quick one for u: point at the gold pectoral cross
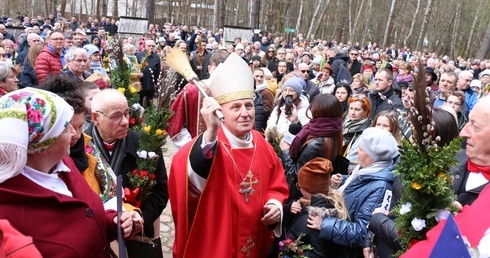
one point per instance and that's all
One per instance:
(247, 186)
(249, 245)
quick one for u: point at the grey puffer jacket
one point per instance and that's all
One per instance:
(362, 196)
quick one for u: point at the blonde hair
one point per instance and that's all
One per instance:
(336, 198)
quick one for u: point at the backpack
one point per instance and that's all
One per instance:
(343, 74)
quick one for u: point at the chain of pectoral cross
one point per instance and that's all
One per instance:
(247, 186)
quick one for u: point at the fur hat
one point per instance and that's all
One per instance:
(379, 144)
(296, 83)
(314, 176)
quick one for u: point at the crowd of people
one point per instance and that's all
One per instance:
(336, 107)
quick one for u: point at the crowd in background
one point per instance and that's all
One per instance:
(309, 84)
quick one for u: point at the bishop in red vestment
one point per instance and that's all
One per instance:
(227, 186)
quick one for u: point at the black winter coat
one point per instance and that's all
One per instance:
(260, 115)
(27, 76)
(321, 247)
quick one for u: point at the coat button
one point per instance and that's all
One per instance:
(89, 213)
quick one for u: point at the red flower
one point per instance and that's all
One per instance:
(132, 121)
(143, 173)
(135, 172)
(152, 176)
(288, 241)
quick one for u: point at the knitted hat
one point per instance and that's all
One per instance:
(485, 72)
(379, 144)
(314, 176)
(317, 60)
(475, 83)
(367, 67)
(31, 120)
(233, 71)
(91, 49)
(239, 46)
(296, 83)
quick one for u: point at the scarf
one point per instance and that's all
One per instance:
(485, 170)
(317, 127)
(370, 169)
(118, 153)
(77, 153)
(353, 126)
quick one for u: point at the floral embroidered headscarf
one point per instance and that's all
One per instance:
(30, 121)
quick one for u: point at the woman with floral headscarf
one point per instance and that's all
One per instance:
(42, 193)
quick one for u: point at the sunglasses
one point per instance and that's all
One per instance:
(304, 71)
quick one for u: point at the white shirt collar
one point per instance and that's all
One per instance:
(236, 142)
(49, 181)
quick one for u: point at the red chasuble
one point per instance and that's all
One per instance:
(224, 224)
(186, 112)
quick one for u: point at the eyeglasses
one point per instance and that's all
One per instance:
(271, 51)
(57, 39)
(150, 45)
(354, 54)
(453, 103)
(281, 53)
(304, 71)
(117, 118)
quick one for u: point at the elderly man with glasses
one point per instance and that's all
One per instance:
(118, 145)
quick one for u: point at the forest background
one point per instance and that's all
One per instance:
(452, 27)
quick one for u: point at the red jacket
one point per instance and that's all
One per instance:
(14, 244)
(47, 62)
(61, 226)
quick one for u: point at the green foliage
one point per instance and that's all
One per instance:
(426, 185)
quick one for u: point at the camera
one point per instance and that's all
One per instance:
(288, 106)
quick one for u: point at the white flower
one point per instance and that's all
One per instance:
(142, 154)
(442, 215)
(152, 155)
(406, 208)
(418, 224)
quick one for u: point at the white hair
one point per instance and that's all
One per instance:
(72, 53)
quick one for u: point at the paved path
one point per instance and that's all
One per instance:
(167, 229)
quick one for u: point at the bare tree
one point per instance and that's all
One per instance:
(388, 23)
(485, 44)
(313, 18)
(298, 22)
(413, 22)
(423, 29)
